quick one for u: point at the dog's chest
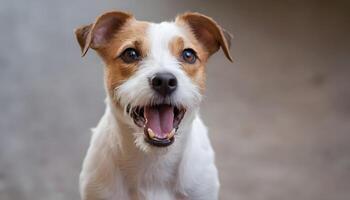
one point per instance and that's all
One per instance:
(152, 178)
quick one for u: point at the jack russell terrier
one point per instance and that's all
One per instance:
(151, 143)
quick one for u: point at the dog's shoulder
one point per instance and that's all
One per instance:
(198, 172)
(200, 137)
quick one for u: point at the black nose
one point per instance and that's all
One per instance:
(164, 83)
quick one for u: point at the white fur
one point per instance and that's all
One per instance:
(120, 165)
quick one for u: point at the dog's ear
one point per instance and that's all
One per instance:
(208, 32)
(98, 34)
(81, 34)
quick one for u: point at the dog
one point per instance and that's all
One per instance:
(151, 143)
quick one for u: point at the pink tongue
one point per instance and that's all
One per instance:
(160, 119)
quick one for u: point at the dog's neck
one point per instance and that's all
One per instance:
(159, 164)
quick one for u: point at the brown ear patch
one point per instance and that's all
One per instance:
(96, 35)
(207, 31)
(81, 34)
(228, 36)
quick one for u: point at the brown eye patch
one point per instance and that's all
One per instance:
(192, 60)
(123, 53)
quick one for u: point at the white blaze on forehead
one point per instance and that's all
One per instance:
(160, 36)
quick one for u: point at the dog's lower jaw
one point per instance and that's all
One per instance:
(133, 134)
(114, 165)
(140, 131)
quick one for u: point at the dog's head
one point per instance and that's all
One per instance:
(154, 72)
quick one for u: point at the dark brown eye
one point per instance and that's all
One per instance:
(189, 56)
(130, 55)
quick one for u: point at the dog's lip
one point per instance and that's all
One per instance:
(138, 115)
(158, 142)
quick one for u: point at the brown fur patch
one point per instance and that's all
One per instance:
(207, 31)
(195, 71)
(131, 35)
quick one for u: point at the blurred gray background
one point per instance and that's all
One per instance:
(279, 116)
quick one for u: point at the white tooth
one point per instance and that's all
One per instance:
(151, 133)
(171, 134)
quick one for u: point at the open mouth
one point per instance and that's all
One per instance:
(160, 122)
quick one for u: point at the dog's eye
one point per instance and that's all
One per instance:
(130, 55)
(189, 56)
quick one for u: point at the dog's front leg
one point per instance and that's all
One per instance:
(100, 179)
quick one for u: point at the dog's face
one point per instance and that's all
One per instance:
(154, 72)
